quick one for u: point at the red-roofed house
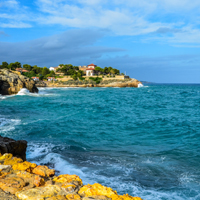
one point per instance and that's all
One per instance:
(51, 79)
(92, 66)
(35, 78)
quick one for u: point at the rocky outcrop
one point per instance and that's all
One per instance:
(17, 148)
(128, 83)
(27, 181)
(11, 82)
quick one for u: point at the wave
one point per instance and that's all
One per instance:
(8, 125)
(41, 154)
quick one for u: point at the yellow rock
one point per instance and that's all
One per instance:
(6, 156)
(73, 196)
(96, 197)
(69, 179)
(44, 171)
(96, 189)
(25, 166)
(12, 161)
(124, 197)
(39, 193)
(58, 197)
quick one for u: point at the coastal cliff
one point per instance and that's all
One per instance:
(12, 82)
(28, 181)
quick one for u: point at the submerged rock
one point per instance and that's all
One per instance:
(11, 82)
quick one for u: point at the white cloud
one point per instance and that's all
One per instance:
(130, 17)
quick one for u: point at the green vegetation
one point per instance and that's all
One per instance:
(97, 79)
(107, 70)
(64, 69)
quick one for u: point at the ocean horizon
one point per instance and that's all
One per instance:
(141, 141)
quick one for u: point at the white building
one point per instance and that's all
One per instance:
(51, 79)
(92, 66)
(35, 78)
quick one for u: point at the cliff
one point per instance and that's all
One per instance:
(11, 82)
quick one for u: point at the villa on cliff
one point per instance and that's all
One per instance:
(89, 70)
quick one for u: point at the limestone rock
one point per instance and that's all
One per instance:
(39, 193)
(97, 197)
(96, 189)
(73, 197)
(16, 148)
(24, 166)
(17, 181)
(44, 171)
(11, 82)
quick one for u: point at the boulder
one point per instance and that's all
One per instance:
(12, 83)
(16, 148)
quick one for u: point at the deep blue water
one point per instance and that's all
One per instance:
(142, 141)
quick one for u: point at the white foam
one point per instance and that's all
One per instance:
(140, 85)
(7, 125)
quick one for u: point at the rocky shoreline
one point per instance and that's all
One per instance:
(113, 83)
(24, 180)
(11, 82)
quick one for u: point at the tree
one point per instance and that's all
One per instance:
(99, 70)
(105, 70)
(45, 71)
(74, 76)
(12, 66)
(27, 67)
(18, 65)
(4, 65)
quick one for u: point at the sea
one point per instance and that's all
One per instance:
(142, 141)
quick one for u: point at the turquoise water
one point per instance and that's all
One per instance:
(142, 141)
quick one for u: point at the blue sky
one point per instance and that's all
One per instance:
(151, 40)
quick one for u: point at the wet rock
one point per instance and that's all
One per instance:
(16, 148)
(44, 171)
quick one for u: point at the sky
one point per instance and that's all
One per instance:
(150, 40)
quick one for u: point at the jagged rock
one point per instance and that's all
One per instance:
(18, 180)
(43, 171)
(25, 166)
(96, 197)
(11, 82)
(16, 148)
(96, 190)
(40, 193)
(70, 184)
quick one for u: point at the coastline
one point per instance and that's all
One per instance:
(27, 181)
(114, 83)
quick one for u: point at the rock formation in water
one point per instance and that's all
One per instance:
(17, 148)
(12, 82)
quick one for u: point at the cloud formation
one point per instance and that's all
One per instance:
(69, 47)
(130, 17)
